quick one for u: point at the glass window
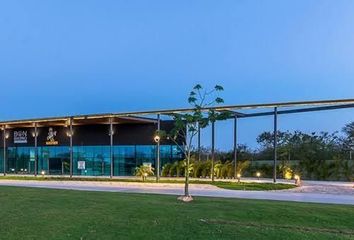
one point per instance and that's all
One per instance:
(91, 160)
(177, 153)
(124, 160)
(54, 160)
(165, 154)
(146, 154)
(87, 160)
(20, 160)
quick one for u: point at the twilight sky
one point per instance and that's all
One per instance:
(64, 57)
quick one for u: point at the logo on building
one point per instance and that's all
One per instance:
(51, 137)
(20, 136)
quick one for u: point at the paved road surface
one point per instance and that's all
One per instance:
(316, 192)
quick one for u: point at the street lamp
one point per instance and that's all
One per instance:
(157, 138)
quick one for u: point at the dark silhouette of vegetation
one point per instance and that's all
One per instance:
(315, 156)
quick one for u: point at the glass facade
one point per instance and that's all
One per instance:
(124, 160)
(87, 160)
(91, 160)
(20, 160)
(54, 160)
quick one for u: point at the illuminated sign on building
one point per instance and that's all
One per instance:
(20, 136)
(51, 137)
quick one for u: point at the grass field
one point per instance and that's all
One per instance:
(30, 213)
(254, 186)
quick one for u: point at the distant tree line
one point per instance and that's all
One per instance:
(317, 156)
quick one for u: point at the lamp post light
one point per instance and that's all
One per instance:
(70, 134)
(5, 137)
(111, 154)
(157, 139)
(35, 136)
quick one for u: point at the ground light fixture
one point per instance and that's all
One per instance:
(238, 177)
(258, 174)
(43, 173)
(145, 176)
(297, 179)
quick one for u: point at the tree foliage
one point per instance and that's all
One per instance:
(187, 125)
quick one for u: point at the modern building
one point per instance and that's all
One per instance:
(115, 144)
(94, 145)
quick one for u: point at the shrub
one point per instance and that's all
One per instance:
(143, 171)
(206, 169)
(166, 170)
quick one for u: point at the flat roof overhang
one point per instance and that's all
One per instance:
(77, 120)
(137, 117)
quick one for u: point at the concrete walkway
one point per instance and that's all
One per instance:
(307, 193)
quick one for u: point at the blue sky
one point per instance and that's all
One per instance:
(74, 57)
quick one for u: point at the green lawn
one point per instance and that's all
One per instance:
(222, 184)
(30, 213)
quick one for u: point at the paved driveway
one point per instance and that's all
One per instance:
(316, 192)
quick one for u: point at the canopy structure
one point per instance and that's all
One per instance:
(296, 107)
(238, 111)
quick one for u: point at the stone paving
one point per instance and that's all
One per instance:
(337, 188)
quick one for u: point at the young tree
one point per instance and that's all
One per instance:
(187, 125)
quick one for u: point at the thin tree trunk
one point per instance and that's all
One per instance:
(186, 184)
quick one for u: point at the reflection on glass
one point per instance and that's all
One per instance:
(87, 160)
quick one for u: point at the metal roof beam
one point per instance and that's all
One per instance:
(302, 110)
(321, 103)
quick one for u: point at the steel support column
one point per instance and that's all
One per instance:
(35, 149)
(235, 147)
(212, 149)
(71, 147)
(111, 145)
(275, 143)
(4, 141)
(158, 149)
